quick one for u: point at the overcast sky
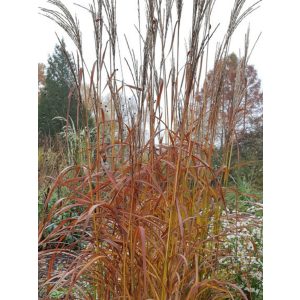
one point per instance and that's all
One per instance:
(127, 18)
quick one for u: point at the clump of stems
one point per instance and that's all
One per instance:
(145, 202)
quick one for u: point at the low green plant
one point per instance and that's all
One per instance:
(243, 194)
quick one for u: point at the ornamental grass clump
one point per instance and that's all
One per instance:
(142, 212)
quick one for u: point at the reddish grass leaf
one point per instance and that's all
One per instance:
(143, 240)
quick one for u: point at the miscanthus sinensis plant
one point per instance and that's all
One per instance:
(144, 215)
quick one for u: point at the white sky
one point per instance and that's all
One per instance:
(127, 18)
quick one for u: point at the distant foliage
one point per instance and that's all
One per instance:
(240, 96)
(53, 100)
(240, 118)
(248, 156)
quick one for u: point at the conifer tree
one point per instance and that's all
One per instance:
(53, 99)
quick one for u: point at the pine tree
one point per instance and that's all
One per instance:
(53, 99)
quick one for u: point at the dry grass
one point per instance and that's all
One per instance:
(145, 210)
